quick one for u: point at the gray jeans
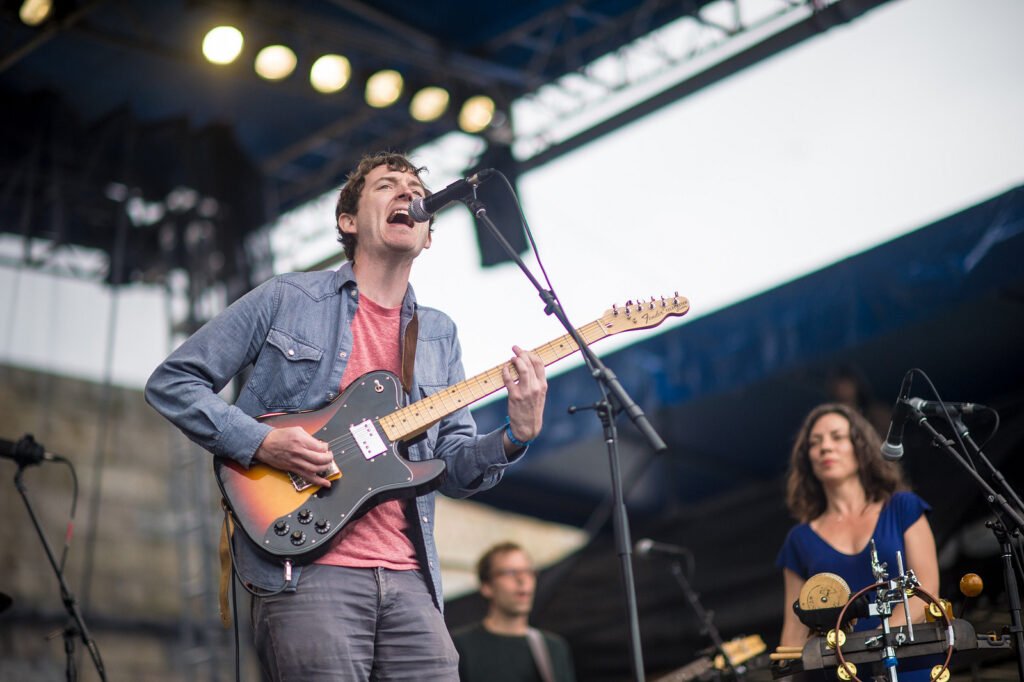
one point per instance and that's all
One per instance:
(353, 625)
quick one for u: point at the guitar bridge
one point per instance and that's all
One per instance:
(332, 471)
(368, 440)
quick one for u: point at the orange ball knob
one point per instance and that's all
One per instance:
(971, 585)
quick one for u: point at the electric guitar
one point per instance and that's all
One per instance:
(739, 650)
(290, 518)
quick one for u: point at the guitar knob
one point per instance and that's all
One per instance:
(281, 528)
(322, 526)
(298, 537)
(305, 516)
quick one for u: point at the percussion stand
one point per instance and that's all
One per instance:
(615, 399)
(1009, 522)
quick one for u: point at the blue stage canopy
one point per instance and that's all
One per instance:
(727, 390)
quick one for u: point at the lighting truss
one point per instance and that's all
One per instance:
(656, 60)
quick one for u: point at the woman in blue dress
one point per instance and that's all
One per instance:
(844, 495)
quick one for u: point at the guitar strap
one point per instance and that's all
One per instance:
(409, 352)
(541, 655)
(227, 529)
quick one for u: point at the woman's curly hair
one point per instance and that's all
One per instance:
(805, 495)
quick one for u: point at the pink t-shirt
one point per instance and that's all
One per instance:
(378, 538)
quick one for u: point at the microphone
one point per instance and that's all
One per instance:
(892, 448)
(422, 208)
(26, 451)
(933, 408)
(648, 547)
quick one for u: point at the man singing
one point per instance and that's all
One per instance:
(370, 606)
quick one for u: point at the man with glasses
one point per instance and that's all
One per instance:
(503, 647)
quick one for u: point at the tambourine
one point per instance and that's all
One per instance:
(848, 671)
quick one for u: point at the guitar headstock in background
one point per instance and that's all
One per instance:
(643, 314)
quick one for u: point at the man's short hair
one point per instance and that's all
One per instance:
(348, 197)
(484, 565)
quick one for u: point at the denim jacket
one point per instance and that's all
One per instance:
(295, 330)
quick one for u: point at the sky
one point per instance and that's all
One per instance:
(850, 139)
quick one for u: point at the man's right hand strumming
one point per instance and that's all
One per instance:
(292, 449)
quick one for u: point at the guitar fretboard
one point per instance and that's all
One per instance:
(421, 415)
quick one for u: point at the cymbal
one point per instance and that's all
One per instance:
(5, 602)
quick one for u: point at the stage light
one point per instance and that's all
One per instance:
(476, 114)
(223, 44)
(429, 104)
(275, 62)
(330, 73)
(384, 88)
(35, 12)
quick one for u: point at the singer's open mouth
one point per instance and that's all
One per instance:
(402, 216)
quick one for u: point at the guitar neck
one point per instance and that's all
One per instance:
(419, 416)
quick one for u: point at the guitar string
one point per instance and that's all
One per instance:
(484, 384)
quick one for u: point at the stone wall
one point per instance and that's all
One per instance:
(151, 601)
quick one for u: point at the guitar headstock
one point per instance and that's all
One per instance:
(643, 314)
(740, 650)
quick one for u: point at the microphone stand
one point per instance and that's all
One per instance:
(1009, 523)
(614, 399)
(997, 475)
(706, 617)
(75, 626)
